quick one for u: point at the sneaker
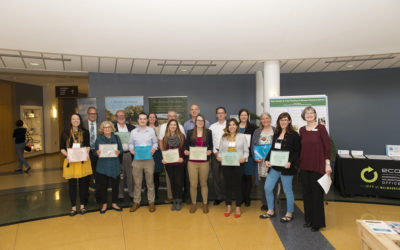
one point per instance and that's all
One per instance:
(178, 206)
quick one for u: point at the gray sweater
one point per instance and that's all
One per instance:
(241, 146)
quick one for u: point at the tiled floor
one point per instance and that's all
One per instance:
(42, 194)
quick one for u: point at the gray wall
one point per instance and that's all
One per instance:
(234, 92)
(26, 94)
(363, 105)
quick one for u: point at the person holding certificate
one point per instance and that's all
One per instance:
(123, 130)
(76, 137)
(260, 146)
(233, 153)
(142, 144)
(248, 129)
(198, 147)
(282, 160)
(108, 148)
(152, 122)
(314, 163)
(173, 142)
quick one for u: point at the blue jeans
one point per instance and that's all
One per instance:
(272, 178)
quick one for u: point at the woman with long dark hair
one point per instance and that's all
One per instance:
(76, 136)
(285, 139)
(200, 136)
(174, 139)
(248, 129)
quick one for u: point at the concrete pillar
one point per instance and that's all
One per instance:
(259, 92)
(271, 81)
(50, 126)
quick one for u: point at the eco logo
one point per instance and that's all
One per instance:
(369, 169)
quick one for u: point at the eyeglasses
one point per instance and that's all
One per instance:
(199, 120)
(107, 127)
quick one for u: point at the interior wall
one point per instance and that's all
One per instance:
(234, 92)
(7, 114)
(363, 105)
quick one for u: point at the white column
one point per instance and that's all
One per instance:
(50, 126)
(259, 92)
(271, 81)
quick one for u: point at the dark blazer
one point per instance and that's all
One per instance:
(85, 143)
(191, 143)
(291, 143)
(129, 126)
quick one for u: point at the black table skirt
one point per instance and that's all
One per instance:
(367, 177)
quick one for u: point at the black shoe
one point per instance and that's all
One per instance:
(72, 213)
(315, 229)
(217, 202)
(264, 208)
(103, 211)
(307, 224)
(27, 170)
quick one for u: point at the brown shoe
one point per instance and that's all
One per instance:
(152, 207)
(205, 208)
(193, 208)
(134, 207)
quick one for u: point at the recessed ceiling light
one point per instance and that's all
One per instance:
(183, 70)
(350, 66)
(34, 64)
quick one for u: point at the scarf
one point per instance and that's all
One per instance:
(173, 141)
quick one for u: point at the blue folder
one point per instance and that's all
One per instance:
(143, 153)
(261, 151)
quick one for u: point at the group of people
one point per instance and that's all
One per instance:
(142, 156)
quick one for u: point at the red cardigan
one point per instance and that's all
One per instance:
(315, 149)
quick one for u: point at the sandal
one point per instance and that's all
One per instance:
(287, 219)
(83, 211)
(266, 216)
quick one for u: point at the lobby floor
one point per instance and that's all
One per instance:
(34, 207)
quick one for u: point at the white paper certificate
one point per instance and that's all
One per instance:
(198, 153)
(230, 159)
(171, 155)
(325, 181)
(77, 154)
(108, 150)
(279, 158)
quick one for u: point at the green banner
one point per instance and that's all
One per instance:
(161, 106)
(293, 102)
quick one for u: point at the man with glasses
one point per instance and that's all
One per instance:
(126, 157)
(217, 129)
(92, 125)
(172, 115)
(142, 138)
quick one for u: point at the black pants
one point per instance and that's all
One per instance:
(83, 190)
(103, 181)
(176, 178)
(313, 196)
(247, 184)
(93, 180)
(233, 183)
(156, 183)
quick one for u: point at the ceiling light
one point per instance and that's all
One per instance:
(37, 57)
(183, 70)
(34, 64)
(350, 66)
(185, 64)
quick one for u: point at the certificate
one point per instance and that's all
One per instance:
(143, 153)
(261, 151)
(77, 154)
(123, 136)
(230, 159)
(279, 158)
(108, 150)
(171, 155)
(198, 153)
(325, 181)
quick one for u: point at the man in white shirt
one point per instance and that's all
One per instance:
(172, 115)
(217, 132)
(92, 126)
(126, 157)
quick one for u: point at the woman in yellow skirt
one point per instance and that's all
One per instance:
(76, 136)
